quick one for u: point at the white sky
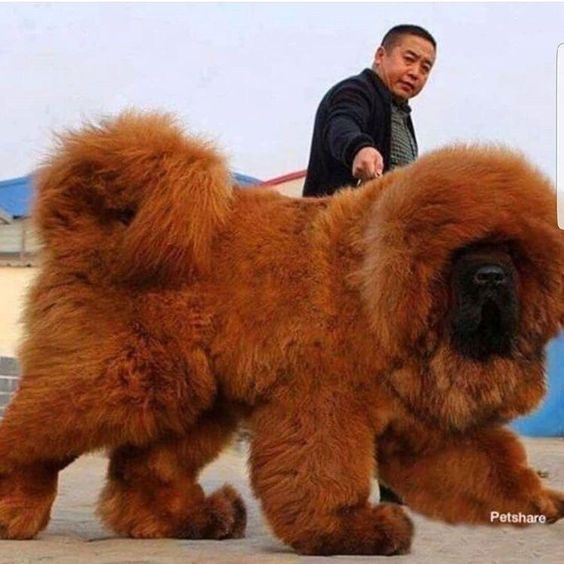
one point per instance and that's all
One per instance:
(251, 75)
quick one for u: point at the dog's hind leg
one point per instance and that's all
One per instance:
(152, 492)
(66, 408)
(28, 472)
(26, 497)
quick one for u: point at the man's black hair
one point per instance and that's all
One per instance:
(393, 35)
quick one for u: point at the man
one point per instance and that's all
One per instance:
(363, 125)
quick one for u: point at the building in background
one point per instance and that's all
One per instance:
(17, 241)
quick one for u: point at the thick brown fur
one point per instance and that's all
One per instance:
(169, 305)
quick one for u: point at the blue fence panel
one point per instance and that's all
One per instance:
(548, 419)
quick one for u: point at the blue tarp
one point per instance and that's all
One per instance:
(548, 420)
(244, 180)
(15, 195)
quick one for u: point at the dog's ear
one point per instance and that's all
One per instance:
(396, 288)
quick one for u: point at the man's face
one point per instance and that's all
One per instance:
(405, 67)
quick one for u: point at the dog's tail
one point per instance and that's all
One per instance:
(137, 188)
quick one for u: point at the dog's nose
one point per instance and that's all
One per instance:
(490, 275)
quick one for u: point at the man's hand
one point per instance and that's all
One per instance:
(367, 164)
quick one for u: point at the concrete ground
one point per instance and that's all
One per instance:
(75, 535)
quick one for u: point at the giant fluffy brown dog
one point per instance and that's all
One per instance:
(404, 322)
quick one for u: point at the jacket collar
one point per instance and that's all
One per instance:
(381, 88)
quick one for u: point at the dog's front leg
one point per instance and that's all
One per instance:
(480, 477)
(311, 467)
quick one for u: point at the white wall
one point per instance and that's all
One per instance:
(14, 282)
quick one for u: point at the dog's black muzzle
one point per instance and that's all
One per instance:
(485, 320)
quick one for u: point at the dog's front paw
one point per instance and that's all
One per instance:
(382, 529)
(551, 505)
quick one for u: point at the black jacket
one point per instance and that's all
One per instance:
(354, 114)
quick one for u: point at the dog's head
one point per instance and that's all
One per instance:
(464, 284)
